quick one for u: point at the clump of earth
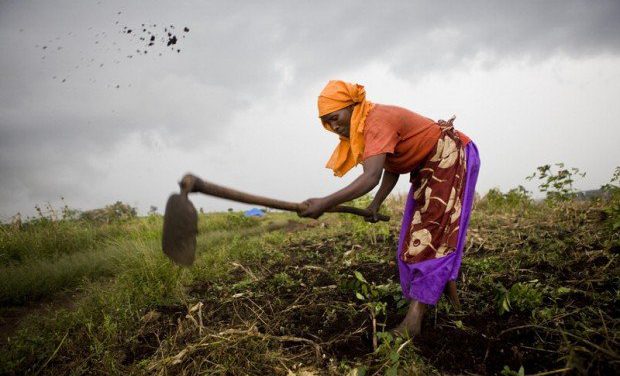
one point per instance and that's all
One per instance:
(146, 37)
(150, 36)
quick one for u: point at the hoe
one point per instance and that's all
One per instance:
(181, 219)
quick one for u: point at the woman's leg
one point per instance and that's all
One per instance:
(453, 297)
(412, 323)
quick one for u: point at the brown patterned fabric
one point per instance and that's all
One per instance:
(434, 229)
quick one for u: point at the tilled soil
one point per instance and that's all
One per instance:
(314, 303)
(303, 309)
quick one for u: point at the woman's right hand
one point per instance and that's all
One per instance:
(313, 208)
(188, 183)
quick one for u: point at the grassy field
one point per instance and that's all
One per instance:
(539, 286)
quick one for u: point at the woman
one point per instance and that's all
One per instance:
(443, 163)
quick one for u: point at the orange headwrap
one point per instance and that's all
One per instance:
(335, 96)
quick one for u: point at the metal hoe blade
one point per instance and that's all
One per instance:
(180, 229)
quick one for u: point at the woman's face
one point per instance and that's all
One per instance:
(339, 121)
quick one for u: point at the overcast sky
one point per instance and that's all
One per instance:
(530, 82)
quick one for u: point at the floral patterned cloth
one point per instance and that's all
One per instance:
(439, 186)
(425, 277)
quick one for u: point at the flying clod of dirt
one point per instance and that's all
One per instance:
(145, 37)
(149, 35)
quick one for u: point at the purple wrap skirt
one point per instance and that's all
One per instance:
(425, 281)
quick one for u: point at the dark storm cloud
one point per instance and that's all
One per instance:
(415, 38)
(230, 60)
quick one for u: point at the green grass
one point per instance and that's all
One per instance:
(110, 310)
(46, 239)
(37, 279)
(45, 257)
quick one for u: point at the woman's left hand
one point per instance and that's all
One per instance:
(374, 211)
(314, 208)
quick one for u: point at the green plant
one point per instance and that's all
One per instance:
(283, 280)
(556, 182)
(115, 212)
(371, 294)
(509, 372)
(362, 230)
(389, 351)
(521, 297)
(515, 198)
(613, 209)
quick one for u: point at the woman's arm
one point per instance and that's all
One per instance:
(387, 184)
(373, 167)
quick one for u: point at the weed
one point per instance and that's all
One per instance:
(557, 182)
(508, 372)
(521, 297)
(613, 209)
(515, 199)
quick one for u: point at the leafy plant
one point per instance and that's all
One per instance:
(521, 297)
(515, 198)
(509, 372)
(370, 294)
(389, 350)
(365, 231)
(557, 181)
(118, 211)
(613, 209)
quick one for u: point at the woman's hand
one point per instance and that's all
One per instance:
(314, 208)
(374, 210)
(188, 183)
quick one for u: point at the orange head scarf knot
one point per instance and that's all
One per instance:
(335, 96)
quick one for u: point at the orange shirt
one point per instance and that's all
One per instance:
(405, 136)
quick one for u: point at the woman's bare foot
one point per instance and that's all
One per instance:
(412, 323)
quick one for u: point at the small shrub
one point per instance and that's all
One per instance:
(557, 182)
(521, 297)
(389, 351)
(111, 213)
(515, 198)
(509, 372)
(613, 209)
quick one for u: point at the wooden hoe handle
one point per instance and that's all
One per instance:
(211, 189)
